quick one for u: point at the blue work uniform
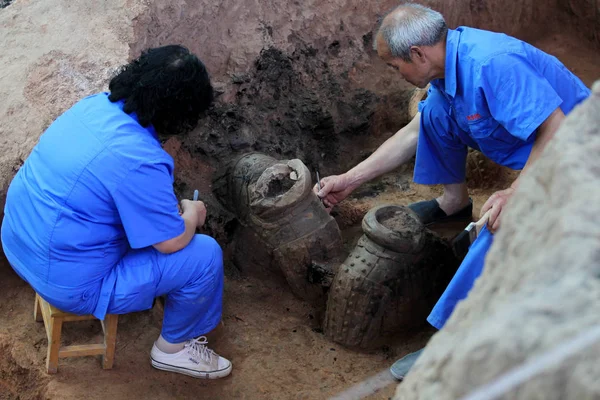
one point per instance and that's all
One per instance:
(83, 212)
(496, 92)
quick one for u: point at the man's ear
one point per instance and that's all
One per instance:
(417, 55)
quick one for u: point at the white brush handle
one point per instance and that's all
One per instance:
(482, 221)
(475, 227)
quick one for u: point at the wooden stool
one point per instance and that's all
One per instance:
(53, 320)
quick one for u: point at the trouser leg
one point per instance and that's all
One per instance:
(191, 279)
(441, 155)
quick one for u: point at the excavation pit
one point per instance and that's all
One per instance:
(294, 81)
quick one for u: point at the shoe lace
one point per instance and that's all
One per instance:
(197, 347)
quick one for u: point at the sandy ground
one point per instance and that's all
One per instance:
(272, 338)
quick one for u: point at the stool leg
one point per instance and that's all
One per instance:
(110, 340)
(37, 310)
(53, 345)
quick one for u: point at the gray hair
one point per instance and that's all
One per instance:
(413, 25)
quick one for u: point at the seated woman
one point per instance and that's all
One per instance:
(93, 225)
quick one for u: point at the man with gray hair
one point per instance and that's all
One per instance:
(488, 91)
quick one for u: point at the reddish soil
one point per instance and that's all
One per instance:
(271, 338)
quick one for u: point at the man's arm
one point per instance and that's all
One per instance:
(545, 133)
(394, 152)
(148, 209)
(525, 103)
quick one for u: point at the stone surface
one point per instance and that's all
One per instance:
(540, 285)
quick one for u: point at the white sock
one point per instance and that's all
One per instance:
(168, 347)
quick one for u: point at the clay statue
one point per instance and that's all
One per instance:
(284, 226)
(391, 279)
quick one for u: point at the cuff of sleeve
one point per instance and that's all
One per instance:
(527, 131)
(157, 236)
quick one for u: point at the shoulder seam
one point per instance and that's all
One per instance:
(498, 53)
(138, 166)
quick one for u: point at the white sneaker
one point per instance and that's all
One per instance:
(195, 360)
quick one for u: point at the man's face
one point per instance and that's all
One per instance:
(416, 73)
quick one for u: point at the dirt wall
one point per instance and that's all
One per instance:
(300, 79)
(585, 16)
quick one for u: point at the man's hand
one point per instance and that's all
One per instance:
(496, 203)
(395, 151)
(545, 133)
(200, 210)
(334, 189)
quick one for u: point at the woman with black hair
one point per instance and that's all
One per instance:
(93, 225)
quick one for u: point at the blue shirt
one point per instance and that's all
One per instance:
(96, 185)
(501, 90)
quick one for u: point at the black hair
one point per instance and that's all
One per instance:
(166, 86)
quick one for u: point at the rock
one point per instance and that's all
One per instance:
(540, 286)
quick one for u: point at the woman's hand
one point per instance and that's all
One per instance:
(200, 210)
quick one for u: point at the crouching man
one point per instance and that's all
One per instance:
(489, 92)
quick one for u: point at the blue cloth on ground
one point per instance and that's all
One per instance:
(94, 189)
(463, 280)
(497, 91)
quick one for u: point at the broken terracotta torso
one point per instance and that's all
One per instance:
(389, 281)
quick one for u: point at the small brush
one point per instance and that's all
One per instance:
(319, 185)
(318, 181)
(465, 239)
